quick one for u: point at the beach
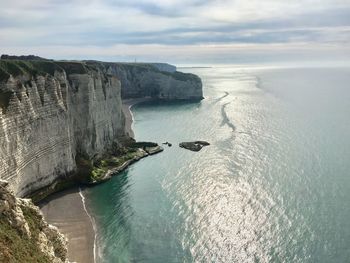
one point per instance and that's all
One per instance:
(66, 210)
(127, 104)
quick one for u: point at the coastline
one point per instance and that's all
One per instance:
(67, 209)
(129, 117)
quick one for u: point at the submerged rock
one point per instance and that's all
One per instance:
(168, 143)
(195, 146)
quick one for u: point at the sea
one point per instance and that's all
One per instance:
(273, 186)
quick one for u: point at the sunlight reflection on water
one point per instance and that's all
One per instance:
(261, 192)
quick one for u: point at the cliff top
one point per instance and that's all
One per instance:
(28, 57)
(32, 65)
(17, 67)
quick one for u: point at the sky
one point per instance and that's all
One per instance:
(177, 31)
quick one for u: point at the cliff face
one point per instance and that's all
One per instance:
(49, 118)
(149, 80)
(24, 235)
(51, 112)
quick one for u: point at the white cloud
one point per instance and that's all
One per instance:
(223, 53)
(183, 26)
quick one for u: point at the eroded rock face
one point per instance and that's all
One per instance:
(146, 80)
(50, 119)
(24, 232)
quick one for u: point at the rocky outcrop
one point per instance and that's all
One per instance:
(195, 146)
(107, 168)
(24, 235)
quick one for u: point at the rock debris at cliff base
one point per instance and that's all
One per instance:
(24, 234)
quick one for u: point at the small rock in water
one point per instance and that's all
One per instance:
(195, 146)
(203, 143)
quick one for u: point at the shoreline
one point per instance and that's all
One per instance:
(92, 223)
(67, 209)
(129, 117)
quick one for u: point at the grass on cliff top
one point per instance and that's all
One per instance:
(17, 248)
(36, 67)
(144, 67)
(135, 67)
(182, 76)
(138, 66)
(24, 67)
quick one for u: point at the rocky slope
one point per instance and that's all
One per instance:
(55, 112)
(24, 235)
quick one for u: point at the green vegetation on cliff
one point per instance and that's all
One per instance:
(16, 247)
(135, 67)
(24, 234)
(29, 68)
(33, 68)
(94, 171)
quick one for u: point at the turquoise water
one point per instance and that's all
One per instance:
(273, 186)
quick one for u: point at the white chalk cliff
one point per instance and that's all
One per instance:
(52, 111)
(151, 80)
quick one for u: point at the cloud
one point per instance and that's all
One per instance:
(74, 24)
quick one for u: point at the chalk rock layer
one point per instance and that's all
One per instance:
(47, 118)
